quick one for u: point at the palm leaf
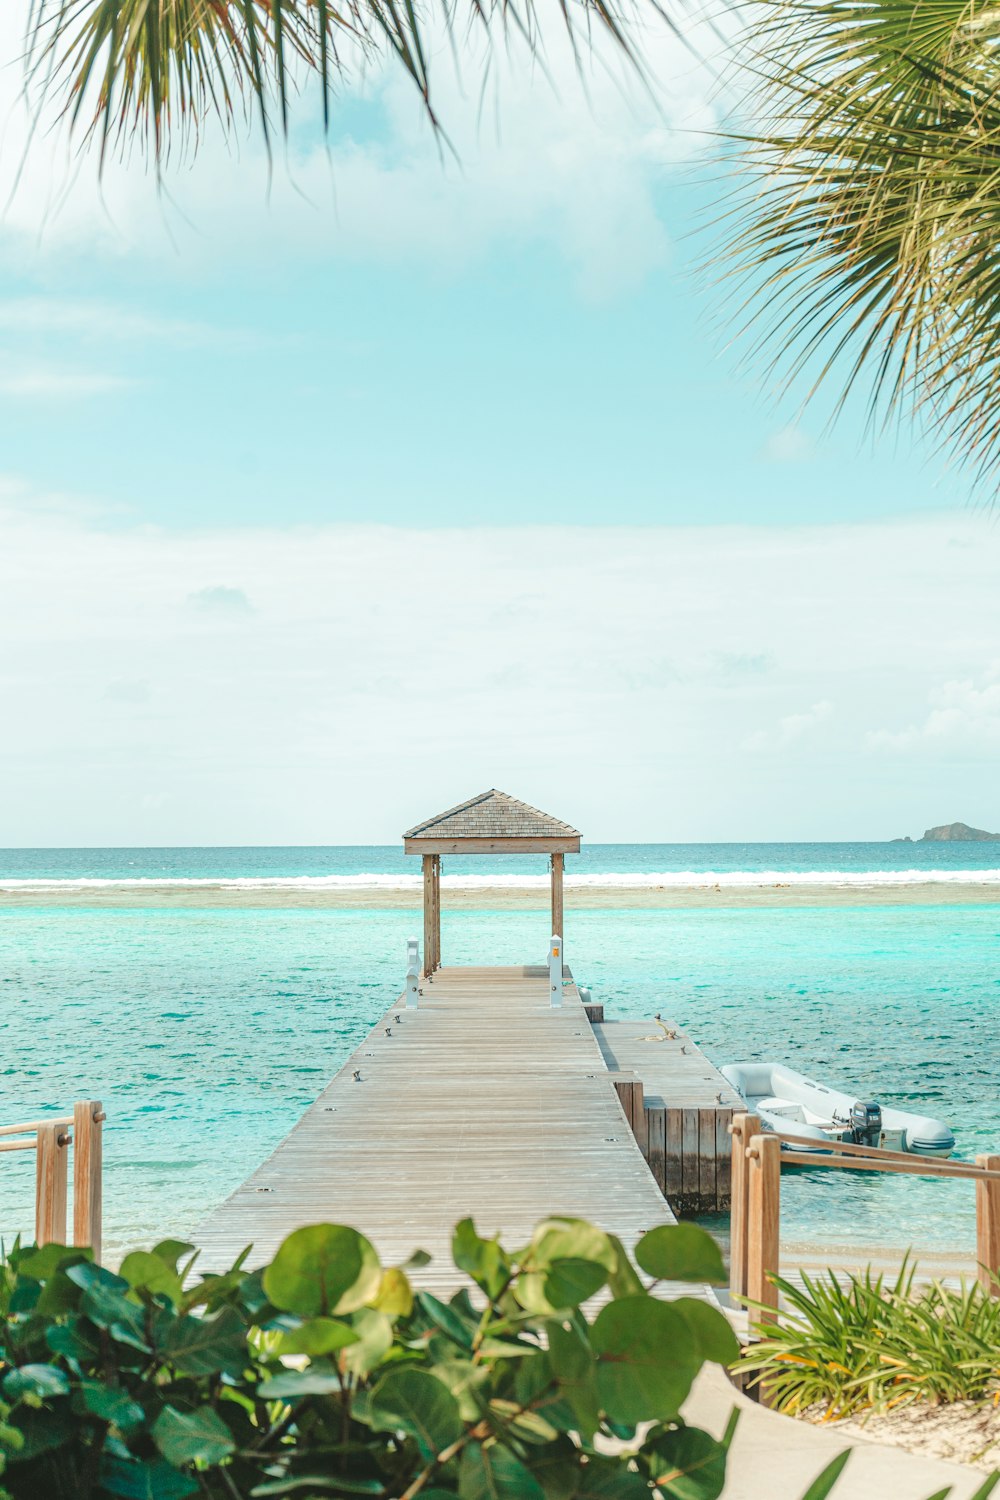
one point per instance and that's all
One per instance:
(869, 251)
(153, 71)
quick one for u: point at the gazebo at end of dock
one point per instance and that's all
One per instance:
(492, 823)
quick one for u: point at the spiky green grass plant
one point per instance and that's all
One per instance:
(862, 1343)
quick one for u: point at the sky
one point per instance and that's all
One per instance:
(329, 501)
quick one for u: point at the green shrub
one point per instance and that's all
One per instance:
(859, 1343)
(325, 1374)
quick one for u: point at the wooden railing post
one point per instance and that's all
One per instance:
(763, 1222)
(88, 1118)
(50, 1184)
(988, 1227)
(743, 1128)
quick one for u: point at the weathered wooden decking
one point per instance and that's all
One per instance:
(484, 1101)
(682, 1114)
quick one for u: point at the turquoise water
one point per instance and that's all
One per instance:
(206, 1032)
(901, 862)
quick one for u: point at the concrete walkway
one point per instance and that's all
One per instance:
(777, 1458)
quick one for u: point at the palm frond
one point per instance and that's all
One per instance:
(869, 249)
(152, 72)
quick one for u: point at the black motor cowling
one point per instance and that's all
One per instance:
(866, 1123)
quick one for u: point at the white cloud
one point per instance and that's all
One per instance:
(58, 385)
(789, 445)
(964, 715)
(740, 664)
(790, 728)
(99, 321)
(221, 598)
(573, 163)
(382, 672)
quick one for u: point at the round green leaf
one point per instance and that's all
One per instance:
(204, 1346)
(483, 1260)
(689, 1465)
(572, 1362)
(41, 1381)
(110, 1403)
(570, 1282)
(170, 1251)
(291, 1384)
(135, 1479)
(414, 1402)
(45, 1262)
(373, 1340)
(145, 1271)
(680, 1252)
(317, 1336)
(199, 1436)
(710, 1331)
(323, 1269)
(571, 1239)
(395, 1294)
(495, 1473)
(646, 1360)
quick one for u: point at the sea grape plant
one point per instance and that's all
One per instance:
(557, 1373)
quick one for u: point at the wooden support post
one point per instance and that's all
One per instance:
(50, 1184)
(744, 1127)
(689, 1162)
(437, 910)
(88, 1120)
(656, 1134)
(558, 861)
(723, 1157)
(988, 1227)
(673, 1156)
(428, 865)
(630, 1095)
(707, 1165)
(763, 1224)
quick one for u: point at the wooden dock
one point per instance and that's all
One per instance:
(680, 1107)
(482, 1101)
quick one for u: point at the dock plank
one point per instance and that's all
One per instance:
(483, 1101)
(673, 1069)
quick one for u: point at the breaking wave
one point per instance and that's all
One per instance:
(648, 880)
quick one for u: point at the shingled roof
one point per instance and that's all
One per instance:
(493, 815)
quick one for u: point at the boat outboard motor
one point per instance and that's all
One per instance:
(866, 1123)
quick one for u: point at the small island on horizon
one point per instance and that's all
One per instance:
(948, 832)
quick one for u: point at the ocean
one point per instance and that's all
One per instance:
(598, 864)
(206, 1031)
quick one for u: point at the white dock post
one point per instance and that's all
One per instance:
(555, 971)
(412, 973)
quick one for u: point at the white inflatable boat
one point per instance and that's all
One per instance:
(786, 1101)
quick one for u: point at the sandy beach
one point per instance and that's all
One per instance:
(224, 894)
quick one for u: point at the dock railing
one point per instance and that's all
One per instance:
(756, 1203)
(50, 1140)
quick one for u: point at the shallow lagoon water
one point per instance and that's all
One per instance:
(206, 1032)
